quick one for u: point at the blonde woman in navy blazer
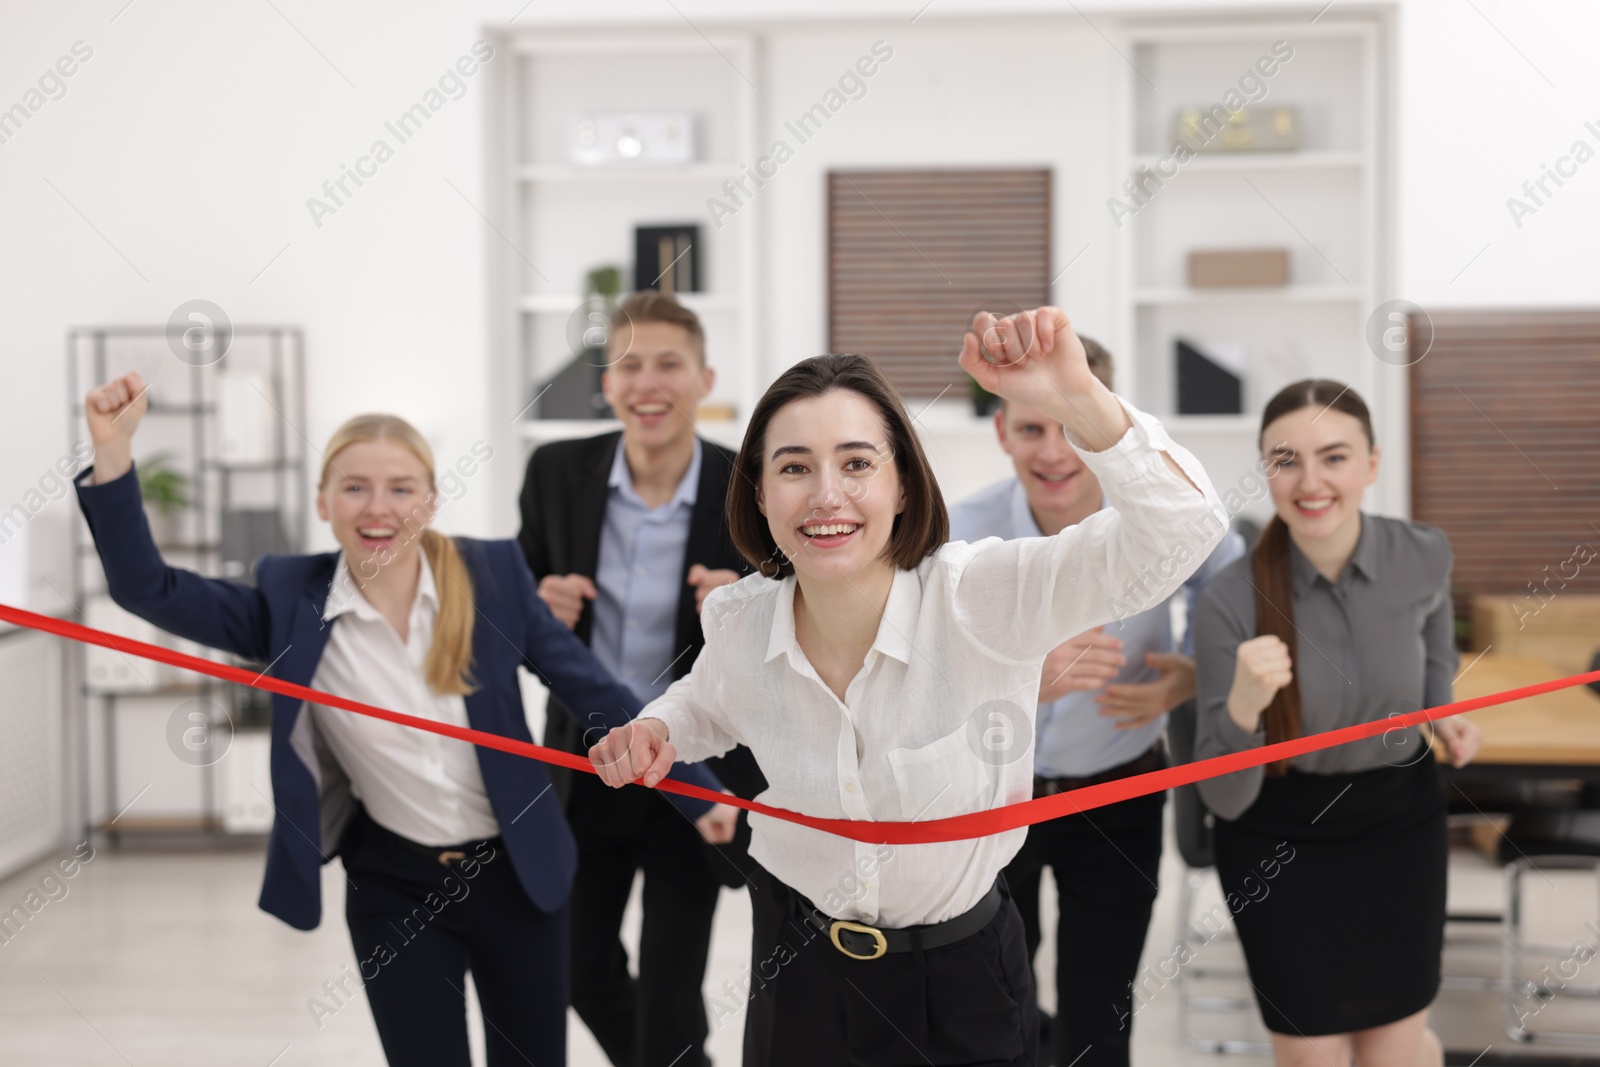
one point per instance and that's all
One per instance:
(421, 913)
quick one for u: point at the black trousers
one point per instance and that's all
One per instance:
(969, 1003)
(418, 927)
(659, 1018)
(1105, 864)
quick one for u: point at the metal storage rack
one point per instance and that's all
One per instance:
(199, 414)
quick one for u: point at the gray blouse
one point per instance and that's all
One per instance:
(1378, 642)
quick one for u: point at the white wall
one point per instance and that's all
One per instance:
(191, 140)
(194, 135)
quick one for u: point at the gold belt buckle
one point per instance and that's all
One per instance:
(860, 928)
(447, 858)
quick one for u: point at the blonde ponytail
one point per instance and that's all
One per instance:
(448, 668)
(449, 665)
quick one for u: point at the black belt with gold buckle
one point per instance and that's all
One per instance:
(446, 855)
(1153, 759)
(860, 941)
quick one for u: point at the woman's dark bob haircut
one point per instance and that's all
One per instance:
(918, 530)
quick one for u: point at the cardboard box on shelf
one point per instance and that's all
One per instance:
(1238, 267)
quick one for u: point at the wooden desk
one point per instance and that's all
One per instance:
(1554, 735)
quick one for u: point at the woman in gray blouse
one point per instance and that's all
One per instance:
(1334, 862)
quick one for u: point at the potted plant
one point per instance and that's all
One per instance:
(166, 494)
(607, 281)
(983, 401)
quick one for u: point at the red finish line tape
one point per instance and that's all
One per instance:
(955, 828)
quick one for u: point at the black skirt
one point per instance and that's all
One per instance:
(1336, 884)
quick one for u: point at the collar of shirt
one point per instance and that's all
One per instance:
(344, 595)
(894, 630)
(621, 480)
(1304, 574)
(1023, 524)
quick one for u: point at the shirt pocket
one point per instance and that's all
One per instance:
(942, 779)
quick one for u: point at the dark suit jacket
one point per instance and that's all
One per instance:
(563, 510)
(278, 621)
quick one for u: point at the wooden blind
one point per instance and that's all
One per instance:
(1505, 444)
(914, 254)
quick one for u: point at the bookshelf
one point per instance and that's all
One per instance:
(1328, 203)
(564, 220)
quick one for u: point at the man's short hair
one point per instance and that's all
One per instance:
(1099, 360)
(652, 305)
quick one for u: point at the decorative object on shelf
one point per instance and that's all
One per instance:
(1222, 268)
(574, 391)
(626, 139)
(166, 495)
(667, 258)
(1210, 378)
(1251, 129)
(983, 401)
(605, 281)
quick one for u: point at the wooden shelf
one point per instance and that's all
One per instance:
(564, 172)
(1250, 162)
(1284, 294)
(1180, 424)
(558, 429)
(566, 303)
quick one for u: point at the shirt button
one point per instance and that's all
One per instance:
(849, 787)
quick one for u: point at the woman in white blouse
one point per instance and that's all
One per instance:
(888, 675)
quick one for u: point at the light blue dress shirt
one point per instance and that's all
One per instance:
(1072, 739)
(639, 579)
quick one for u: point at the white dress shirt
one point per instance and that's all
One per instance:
(939, 720)
(1072, 739)
(419, 785)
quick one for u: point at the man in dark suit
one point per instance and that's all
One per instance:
(626, 534)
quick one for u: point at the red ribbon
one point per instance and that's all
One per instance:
(955, 828)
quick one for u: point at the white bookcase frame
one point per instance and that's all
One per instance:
(516, 313)
(1227, 443)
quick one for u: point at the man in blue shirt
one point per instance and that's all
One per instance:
(1103, 701)
(626, 535)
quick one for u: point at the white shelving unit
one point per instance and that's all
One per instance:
(560, 220)
(1328, 203)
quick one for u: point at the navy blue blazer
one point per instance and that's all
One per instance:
(278, 621)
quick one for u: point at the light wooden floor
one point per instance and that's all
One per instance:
(163, 959)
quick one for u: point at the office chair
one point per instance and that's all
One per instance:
(1566, 838)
